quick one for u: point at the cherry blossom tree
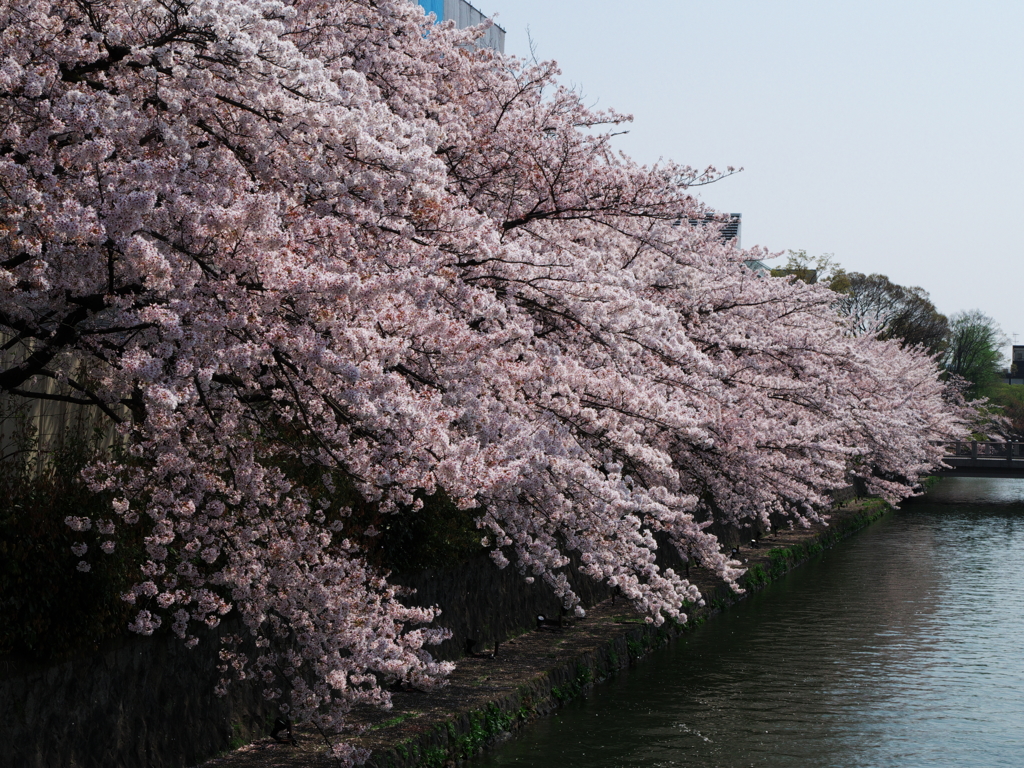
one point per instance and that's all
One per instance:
(271, 235)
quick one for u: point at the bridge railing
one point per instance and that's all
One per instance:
(980, 449)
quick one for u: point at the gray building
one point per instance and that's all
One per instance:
(1016, 373)
(465, 15)
(730, 224)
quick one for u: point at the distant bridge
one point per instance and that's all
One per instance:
(983, 459)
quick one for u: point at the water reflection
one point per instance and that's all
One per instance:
(977, 491)
(899, 648)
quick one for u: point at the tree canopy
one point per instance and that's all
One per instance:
(874, 304)
(302, 245)
(973, 352)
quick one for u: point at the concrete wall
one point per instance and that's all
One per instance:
(149, 702)
(482, 603)
(139, 702)
(49, 424)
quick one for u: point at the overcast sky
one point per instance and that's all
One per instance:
(890, 134)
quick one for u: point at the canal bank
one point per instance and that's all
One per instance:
(898, 649)
(488, 699)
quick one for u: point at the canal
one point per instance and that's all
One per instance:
(903, 646)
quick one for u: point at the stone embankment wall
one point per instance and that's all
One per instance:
(542, 676)
(139, 702)
(484, 604)
(150, 702)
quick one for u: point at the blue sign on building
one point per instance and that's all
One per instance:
(465, 15)
(435, 7)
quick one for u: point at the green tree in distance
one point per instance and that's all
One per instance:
(1010, 399)
(973, 349)
(893, 311)
(875, 303)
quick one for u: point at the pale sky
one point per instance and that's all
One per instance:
(890, 134)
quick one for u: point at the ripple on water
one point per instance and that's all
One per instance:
(899, 648)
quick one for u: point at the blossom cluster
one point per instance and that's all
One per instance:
(284, 233)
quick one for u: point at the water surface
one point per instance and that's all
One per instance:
(901, 647)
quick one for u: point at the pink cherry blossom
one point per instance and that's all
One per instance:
(290, 233)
